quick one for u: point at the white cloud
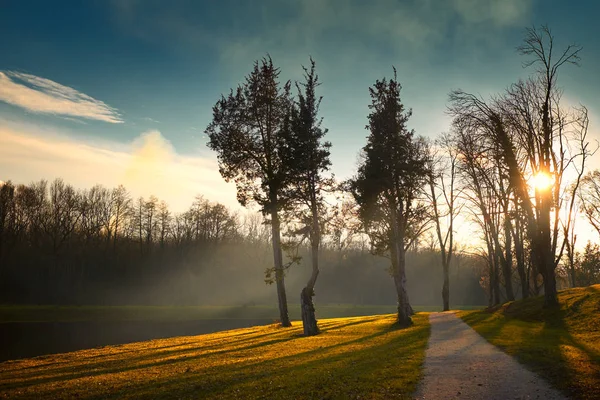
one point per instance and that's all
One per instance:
(149, 165)
(42, 95)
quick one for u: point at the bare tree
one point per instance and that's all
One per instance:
(443, 194)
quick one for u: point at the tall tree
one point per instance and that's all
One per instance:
(443, 194)
(390, 176)
(308, 161)
(480, 188)
(248, 134)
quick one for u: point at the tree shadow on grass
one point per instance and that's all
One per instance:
(558, 344)
(103, 366)
(317, 364)
(341, 370)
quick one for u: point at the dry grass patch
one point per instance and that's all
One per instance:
(366, 357)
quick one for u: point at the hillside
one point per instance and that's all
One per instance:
(562, 345)
(352, 358)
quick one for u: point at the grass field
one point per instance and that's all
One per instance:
(363, 357)
(561, 345)
(10, 313)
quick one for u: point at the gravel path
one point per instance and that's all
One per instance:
(460, 364)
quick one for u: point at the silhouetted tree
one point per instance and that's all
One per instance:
(248, 134)
(307, 157)
(391, 174)
(443, 194)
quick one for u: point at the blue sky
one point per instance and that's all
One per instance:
(120, 92)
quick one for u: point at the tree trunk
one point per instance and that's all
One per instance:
(446, 287)
(520, 256)
(496, 278)
(404, 308)
(279, 273)
(550, 292)
(547, 260)
(522, 274)
(309, 320)
(399, 271)
(507, 264)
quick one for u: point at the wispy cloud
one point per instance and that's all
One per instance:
(414, 26)
(42, 95)
(499, 13)
(148, 165)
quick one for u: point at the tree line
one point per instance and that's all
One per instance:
(101, 246)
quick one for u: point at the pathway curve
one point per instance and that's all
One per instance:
(460, 364)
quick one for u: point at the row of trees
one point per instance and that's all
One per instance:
(508, 159)
(60, 245)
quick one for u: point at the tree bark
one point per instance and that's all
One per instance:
(399, 267)
(309, 320)
(446, 287)
(520, 254)
(279, 273)
(507, 264)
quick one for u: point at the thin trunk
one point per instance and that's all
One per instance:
(279, 273)
(491, 277)
(399, 267)
(507, 262)
(496, 280)
(547, 259)
(571, 257)
(520, 253)
(446, 256)
(309, 320)
(446, 286)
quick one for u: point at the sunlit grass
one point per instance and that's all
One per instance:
(562, 345)
(364, 357)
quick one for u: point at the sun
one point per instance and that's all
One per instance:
(542, 181)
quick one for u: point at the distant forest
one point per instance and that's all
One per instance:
(59, 245)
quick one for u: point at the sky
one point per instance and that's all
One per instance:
(120, 92)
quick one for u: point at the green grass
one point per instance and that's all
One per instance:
(562, 345)
(183, 313)
(363, 357)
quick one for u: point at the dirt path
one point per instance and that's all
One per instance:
(460, 364)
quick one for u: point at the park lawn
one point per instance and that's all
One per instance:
(362, 357)
(562, 345)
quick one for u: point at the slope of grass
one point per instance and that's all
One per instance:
(562, 345)
(364, 357)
